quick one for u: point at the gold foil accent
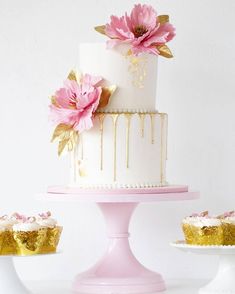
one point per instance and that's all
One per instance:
(82, 168)
(137, 68)
(142, 120)
(128, 123)
(29, 243)
(106, 93)
(74, 76)
(152, 116)
(163, 19)
(51, 240)
(101, 120)
(100, 29)
(164, 51)
(114, 118)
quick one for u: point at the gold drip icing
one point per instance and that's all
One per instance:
(166, 136)
(152, 116)
(162, 119)
(128, 123)
(74, 157)
(142, 119)
(82, 149)
(101, 117)
(115, 118)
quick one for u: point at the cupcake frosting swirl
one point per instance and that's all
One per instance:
(45, 220)
(27, 226)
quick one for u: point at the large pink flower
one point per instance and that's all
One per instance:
(141, 30)
(76, 102)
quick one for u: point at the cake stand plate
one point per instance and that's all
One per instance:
(224, 281)
(10, 282)
(118, 272)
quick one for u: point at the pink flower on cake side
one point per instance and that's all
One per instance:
(75, 103)
(73, 107)
(143, 30)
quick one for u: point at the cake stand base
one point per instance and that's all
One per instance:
(10, 283)
(118, 272)
(224, 281)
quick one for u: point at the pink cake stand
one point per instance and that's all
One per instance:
(119, 272)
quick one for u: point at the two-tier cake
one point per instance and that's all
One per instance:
(106, 115)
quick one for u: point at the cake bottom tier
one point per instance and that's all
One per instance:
(122, 150)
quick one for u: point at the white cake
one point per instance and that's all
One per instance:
(127, 147)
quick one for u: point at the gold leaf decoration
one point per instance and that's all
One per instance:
(62, 145)
(74, 76)
(67, 136)
(100, 29)
(164, 51)
(61, 129)
(129, 52)
(163, 19)
(107, 92)
(53, 101)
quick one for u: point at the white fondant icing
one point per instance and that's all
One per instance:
(113, 66)
(147, 162)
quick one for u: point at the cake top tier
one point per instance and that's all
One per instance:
(134, 76)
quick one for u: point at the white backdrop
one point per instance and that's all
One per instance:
(38, 46)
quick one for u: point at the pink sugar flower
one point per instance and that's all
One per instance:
(45, 215)
(142, 30)
(76, 102)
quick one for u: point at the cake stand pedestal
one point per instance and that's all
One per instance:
(10, 282)
(224, 281)
(119, 272)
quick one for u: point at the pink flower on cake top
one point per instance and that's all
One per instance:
(73, 107)
(143, 30)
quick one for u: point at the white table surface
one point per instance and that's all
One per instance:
(62, 287)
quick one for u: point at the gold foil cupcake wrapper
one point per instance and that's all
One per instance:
(8, 246)
(229, 233)
(213, 235)
(51, 241)
(29, 243)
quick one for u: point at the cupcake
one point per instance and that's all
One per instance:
(228, 224)
(7, 242)
(53, 232)
(29, 236)
(202, 229)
